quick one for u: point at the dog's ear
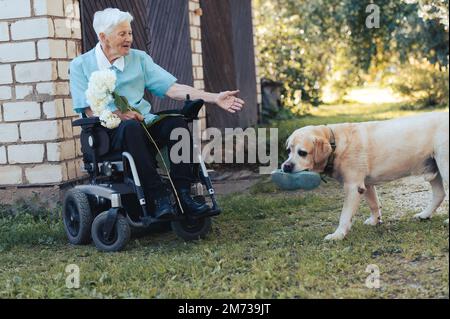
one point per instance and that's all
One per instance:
(322, 150)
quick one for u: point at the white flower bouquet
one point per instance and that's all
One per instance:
(100, 93)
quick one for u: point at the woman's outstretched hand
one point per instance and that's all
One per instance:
(229, 102)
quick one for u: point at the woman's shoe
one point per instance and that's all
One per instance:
(190, 205)
(163, 208)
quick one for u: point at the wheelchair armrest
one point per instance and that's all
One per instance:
(87, 122)
(190, 110)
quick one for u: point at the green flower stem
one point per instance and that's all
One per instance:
(124, 106)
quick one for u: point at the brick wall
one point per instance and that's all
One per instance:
(38, 39)
(195, 13)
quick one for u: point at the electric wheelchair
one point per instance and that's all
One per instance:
(113, 204)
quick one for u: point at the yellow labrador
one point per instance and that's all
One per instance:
(361, 155)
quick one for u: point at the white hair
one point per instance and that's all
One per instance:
(107, 20)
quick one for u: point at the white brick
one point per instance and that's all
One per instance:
(195, 19)
(10, 175)
(26, 154)
(4, 31)
(197, 46)
(5, 92)
(192, 5)
(71, 170)
(199, 84)
(78, 147)
(41, 174)
(63, 28)
(17, 52)
(71, 49)
(21, 111)
(9, 133)
(61, 151)
(41, 131)
(198, 73)
(68, 108)
(14, 9)
(67, 124)
(23, 91)
(78, 164)
(53, 109)
(76, 5)
(32, 29)
(62, 88)
(36, 72)
(52, 49)
(48, 7)
(63, 70)
(5, 74)
(2, 155)
(54, 152)
(76, 130)
(76, 28)
(69, 9)
(45, 88)
(197, 59)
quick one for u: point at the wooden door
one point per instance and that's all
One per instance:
(160, 27)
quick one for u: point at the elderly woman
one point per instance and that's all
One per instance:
(136, 72)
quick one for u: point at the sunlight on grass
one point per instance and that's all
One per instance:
(373, 95)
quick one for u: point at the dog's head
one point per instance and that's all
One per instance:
(309, 149)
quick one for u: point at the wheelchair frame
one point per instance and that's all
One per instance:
(110, 229)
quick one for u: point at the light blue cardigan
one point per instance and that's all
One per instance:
(140, 73)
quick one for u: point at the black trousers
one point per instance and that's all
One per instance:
(131, 137)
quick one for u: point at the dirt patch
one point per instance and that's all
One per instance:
(233, 181)
(411, 194)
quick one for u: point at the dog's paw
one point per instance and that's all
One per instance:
(373, 221)
(422, 216)
(337, 235)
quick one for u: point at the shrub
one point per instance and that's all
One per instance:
(423, 82)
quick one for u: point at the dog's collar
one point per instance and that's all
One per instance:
(330, 163)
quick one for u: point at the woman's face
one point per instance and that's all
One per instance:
(118, 43)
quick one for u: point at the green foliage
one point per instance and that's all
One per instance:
(425, 83)
(432, 10)
(311, 46)
(28, 222)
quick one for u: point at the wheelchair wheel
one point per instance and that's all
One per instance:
(192, 229)
(119, 237)
(77, 217)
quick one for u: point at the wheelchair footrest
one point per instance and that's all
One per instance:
(209, 213)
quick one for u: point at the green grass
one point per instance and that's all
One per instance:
(266, 244)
